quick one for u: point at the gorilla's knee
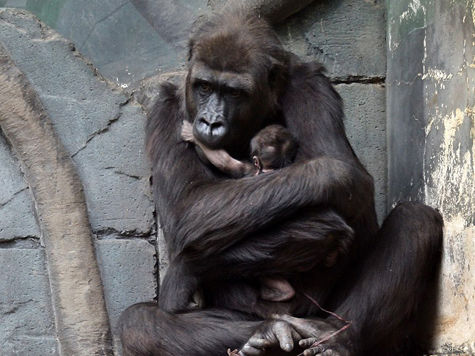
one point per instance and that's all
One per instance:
(137, 331)
(423, 223)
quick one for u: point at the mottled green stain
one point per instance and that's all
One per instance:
(408, 14)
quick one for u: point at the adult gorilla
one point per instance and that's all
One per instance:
(228, 232)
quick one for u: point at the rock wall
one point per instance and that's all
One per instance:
(431, 103)
(103, 134)
(85, 72)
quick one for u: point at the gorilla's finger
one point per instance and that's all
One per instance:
(314, 351)
(283, 333)
(307, 342)
(295, 335)
(259, 343)
(303, 326)
(248, 350)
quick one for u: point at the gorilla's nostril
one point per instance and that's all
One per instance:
(216, 125)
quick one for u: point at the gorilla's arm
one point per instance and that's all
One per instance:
(206, 215)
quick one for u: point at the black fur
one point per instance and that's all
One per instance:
(228, 231)
(274, 147)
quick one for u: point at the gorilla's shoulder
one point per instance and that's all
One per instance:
(168, 91)
(170, 84)
(152, 89)
(301, 70)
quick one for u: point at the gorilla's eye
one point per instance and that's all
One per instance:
(204, 88)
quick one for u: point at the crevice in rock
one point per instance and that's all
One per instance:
(98, 132)
(358, 79)
(111, 233)
(119, 172)
(22, 242)
(14, 195)
(93, 28)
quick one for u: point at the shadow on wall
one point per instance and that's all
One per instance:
(126, 40)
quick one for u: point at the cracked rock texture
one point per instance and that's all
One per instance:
(103, 132)
(365, 124)
(348, 37)
(127, 270)
(26, 318)
(129, 40)
(15, 199)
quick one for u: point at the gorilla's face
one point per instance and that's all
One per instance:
(226, 107)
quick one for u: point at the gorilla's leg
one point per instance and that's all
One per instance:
(383, 296)
(146, 330)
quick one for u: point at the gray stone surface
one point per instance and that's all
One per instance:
(365, 124)
(116, 177)
(431, 114)
(129, 40)
(274, 10)
(104, 134)
(26, 318)
(347, 36)
(124, 46)
(100, 130)
(128, 273)
(15, 199)
(163, 259)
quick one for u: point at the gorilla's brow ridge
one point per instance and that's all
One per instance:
(243, 81)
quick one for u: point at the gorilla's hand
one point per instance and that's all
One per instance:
(326, 349)
(313, 331)
(271, 333)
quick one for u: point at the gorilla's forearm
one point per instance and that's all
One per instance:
(298, 244)
(220, 214)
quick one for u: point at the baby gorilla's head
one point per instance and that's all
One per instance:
(273, 147)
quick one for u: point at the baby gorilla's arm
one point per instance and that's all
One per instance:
(218, 158)
(225, 163)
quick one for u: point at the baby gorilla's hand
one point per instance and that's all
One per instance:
(187, 132)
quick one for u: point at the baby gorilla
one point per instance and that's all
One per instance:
(272, 148)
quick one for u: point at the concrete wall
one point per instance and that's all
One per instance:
(97, 119)
(431, 98)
